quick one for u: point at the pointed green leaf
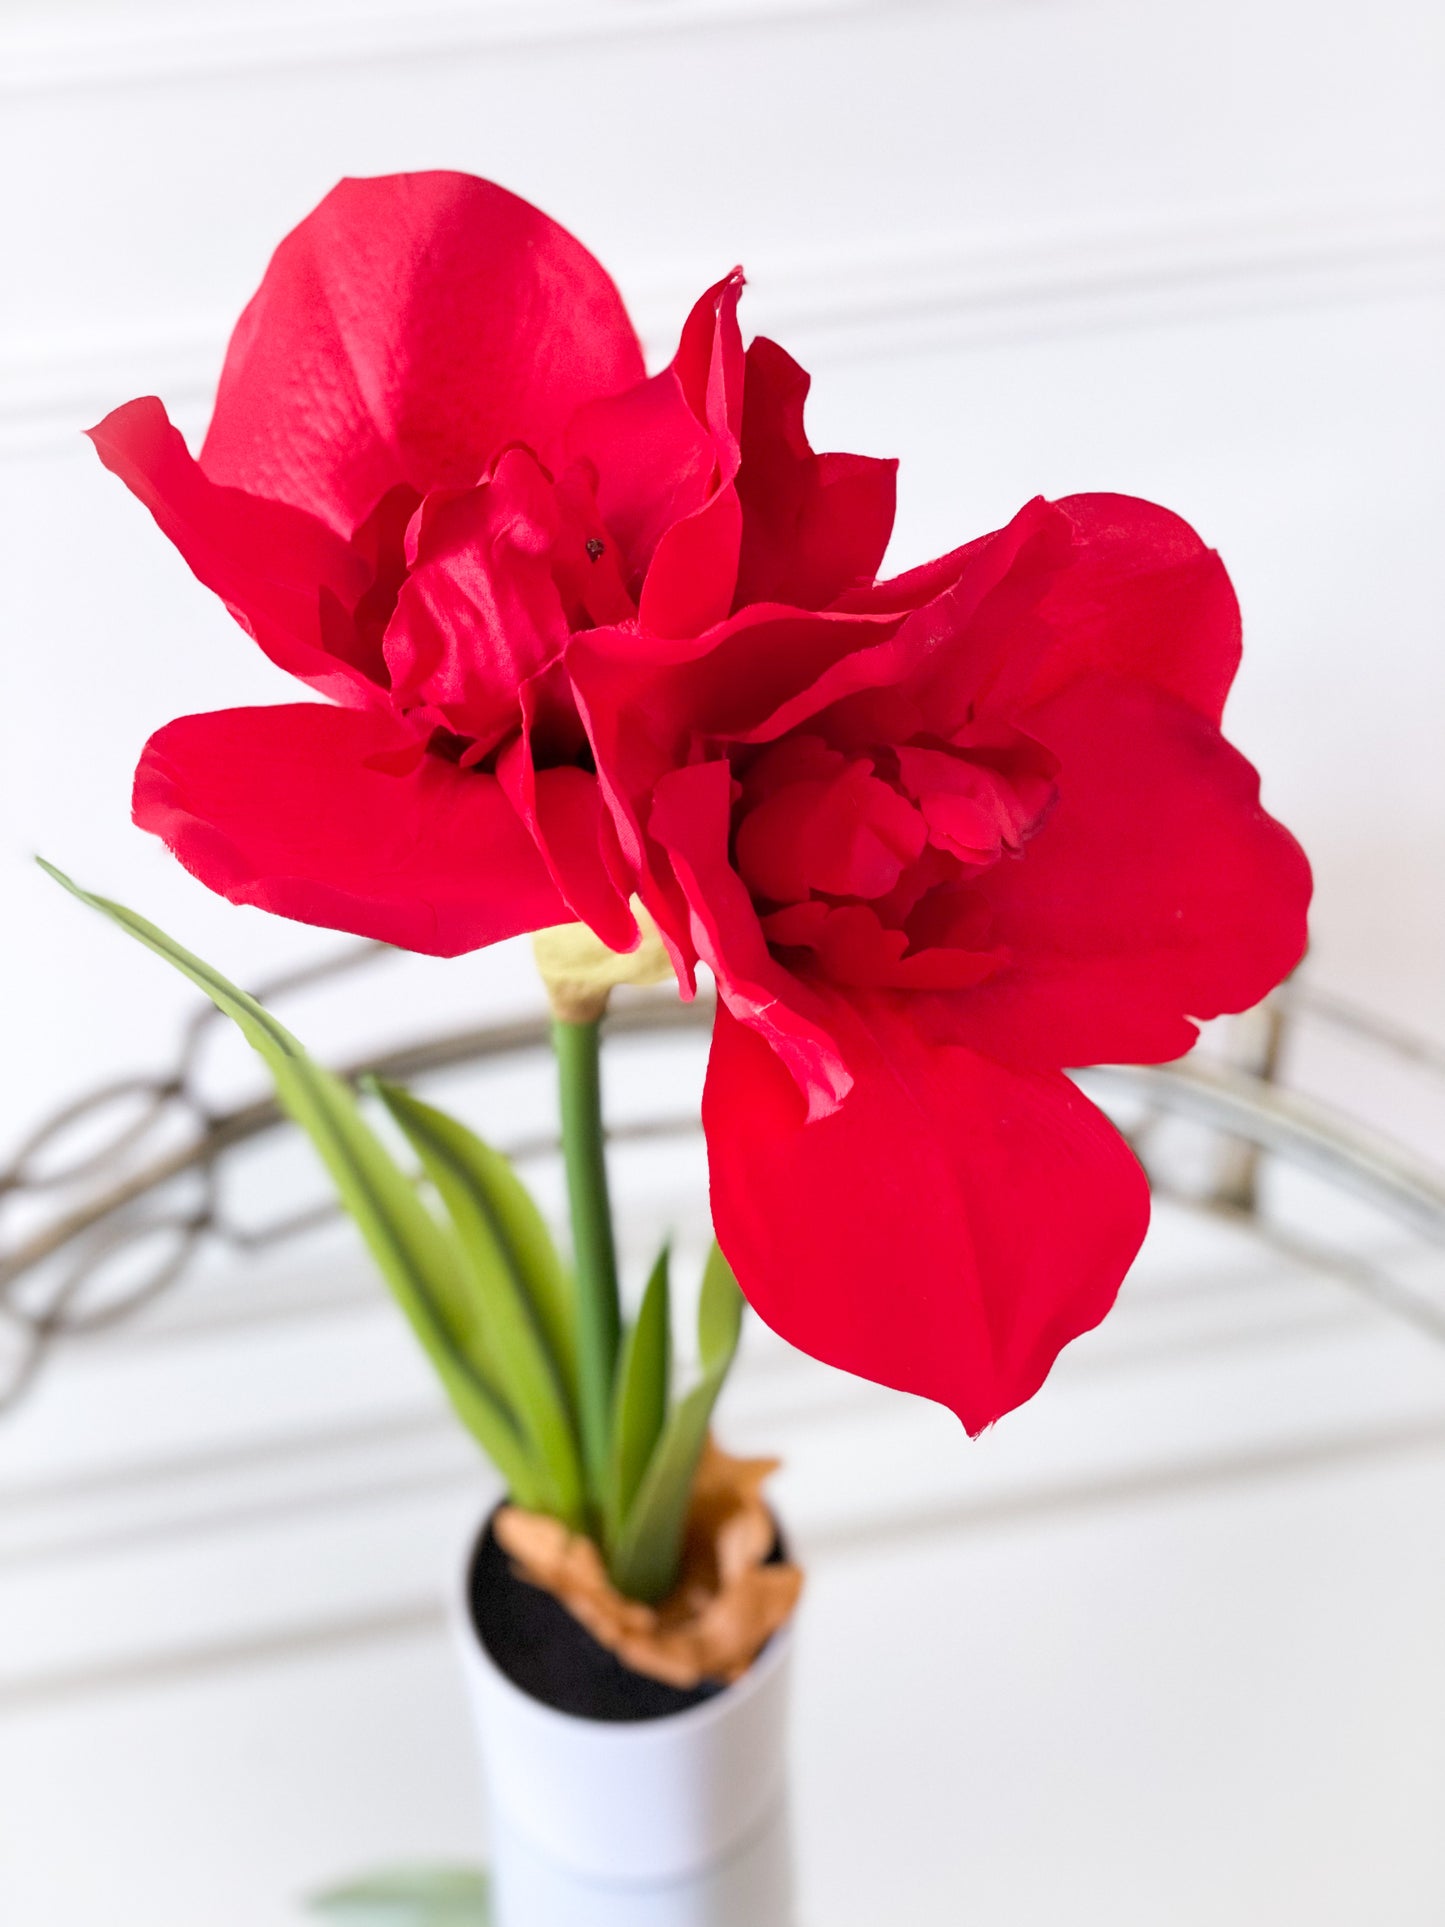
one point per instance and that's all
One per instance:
(645, 1559)
(413, 1253)
(410, 1897)
(501, 1234)
(531, 1251)
(644, 1377)
(720, 1308)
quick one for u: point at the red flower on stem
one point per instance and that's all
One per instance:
(434, 454)
(936, 843)
(587, 634)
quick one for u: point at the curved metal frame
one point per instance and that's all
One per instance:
(112, 1199)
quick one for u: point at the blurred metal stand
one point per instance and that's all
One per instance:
(107, 1203)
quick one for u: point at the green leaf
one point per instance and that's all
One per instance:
(645, 1560)
(412, 1251)
(410, 1897)
(720, 1309)
(644, 1377)
(502, 1239)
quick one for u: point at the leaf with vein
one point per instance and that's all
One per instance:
(412, 1251)
(513, 1265)
(644, 1380)
(644, 1564)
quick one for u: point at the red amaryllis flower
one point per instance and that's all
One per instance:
(587, 633)
(936, 842)
(434, 455)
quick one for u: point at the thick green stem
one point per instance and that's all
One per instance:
(599, 1317)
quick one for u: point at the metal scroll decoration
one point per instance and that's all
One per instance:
(106, 1204)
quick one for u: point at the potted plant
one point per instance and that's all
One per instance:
(622, 1618)
(612, 651)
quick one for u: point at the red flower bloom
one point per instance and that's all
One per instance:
(936, 842)
(587, 633)
(433, 455)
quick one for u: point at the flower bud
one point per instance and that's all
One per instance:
(580, 972)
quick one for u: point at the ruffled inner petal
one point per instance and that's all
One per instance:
(479, 611)
(814, 526)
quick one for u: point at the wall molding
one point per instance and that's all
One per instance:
(63, 55)
(399, 1511)
(1069, 1500)
(141, 1492)
(887, 300)
(224, 1483)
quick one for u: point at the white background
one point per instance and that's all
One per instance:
(1192, 252)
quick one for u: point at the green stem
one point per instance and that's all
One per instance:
(599, 1317)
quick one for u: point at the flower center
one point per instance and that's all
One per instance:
(862, 862)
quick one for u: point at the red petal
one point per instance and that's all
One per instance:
(665, 455)
(641, 697)
(690, 583)
(660, 691)
(1141, 596)
(690, 820)
(654, 463)
(884, 640)
(813, 525)
(410, 327)
(576, 836)
(852, 945)
(276, 568)
(945, 1231)
(479, 612)
(628, 764)
(846, 834)
(709, 364)
(916, 588)
(320, 814)
(982, 805)
(564, 809)
(1157, 891)
(588, 565)
(1095, 583)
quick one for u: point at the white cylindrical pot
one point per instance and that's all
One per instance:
(633, 1801)
(750, 1887)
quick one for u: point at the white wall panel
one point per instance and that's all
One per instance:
(1029, 245)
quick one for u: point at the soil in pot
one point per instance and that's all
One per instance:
(542, 1649)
